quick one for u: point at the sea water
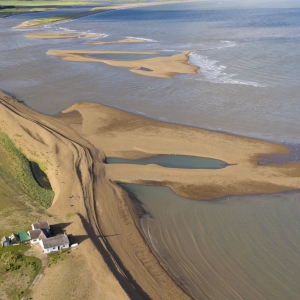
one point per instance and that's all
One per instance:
(173, 161)
(234, 248)
(248, 83)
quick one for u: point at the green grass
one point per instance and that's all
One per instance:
(15, 7)
(22, 200)
(20, 10)
(59, 18)
(52, 19)
(15, 166)
(36, 3)
(22, 270)
(54, 258)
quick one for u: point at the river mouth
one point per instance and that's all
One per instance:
(40, 177)
(173, 161)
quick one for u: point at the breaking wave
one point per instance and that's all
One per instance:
(214, 72)
(143, 39)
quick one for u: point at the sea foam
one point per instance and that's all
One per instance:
(142, 39)
(214, 72)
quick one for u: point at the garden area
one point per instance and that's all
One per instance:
(17, 271)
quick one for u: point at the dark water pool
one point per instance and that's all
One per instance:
(40, 176)
(173, 161)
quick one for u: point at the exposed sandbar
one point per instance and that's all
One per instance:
(128, 40)
(161, 66)
(121, 134)
(53, 35)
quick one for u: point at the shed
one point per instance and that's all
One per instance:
(14, 239)
(55, 243)
(24, 237)
(5, 241)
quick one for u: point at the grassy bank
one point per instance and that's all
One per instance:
(58, 18)
(16, 166)
(17, 271)
(15, 7)
(9, 11)
(40, 3)
(22, 200)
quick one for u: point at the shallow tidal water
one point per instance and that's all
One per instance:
(173, 161)
(248, 83)
(235, 248)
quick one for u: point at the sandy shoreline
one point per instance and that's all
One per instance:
(74, 145)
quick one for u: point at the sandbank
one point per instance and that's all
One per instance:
(124, 135)
(160, 66)
(128, 40)
(52, 35)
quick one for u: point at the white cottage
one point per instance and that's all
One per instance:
(55, 243)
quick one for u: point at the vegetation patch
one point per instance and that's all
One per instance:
(39, 3)
(54, 258)
(17, 271)
(46, 20)
(22, 200)
(6, 11)
(14, 165)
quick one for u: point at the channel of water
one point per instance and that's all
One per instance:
(173, 161)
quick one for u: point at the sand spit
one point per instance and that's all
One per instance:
(124, 135)
(163, 66)
(54, 35)
(118, 264)
(128, 40)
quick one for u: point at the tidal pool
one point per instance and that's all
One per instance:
(173, 161)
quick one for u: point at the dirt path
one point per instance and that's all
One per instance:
(36, 251)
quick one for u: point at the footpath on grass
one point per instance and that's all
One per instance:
(36, 251)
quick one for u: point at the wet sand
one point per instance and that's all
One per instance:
(54, 35)
(128, 40)
(73, 146)
(166, 67)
